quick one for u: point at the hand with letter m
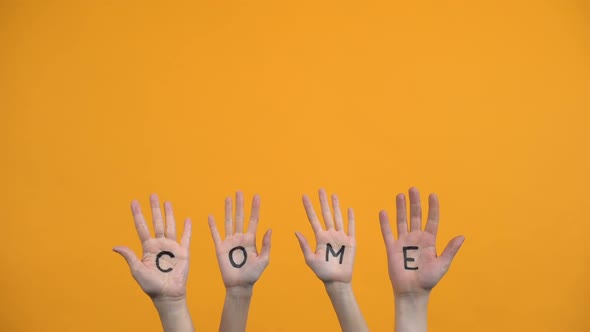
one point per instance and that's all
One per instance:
(333, 259)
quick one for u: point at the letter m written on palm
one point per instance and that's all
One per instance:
(339, 253)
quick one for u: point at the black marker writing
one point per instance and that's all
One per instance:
(163, 253)
(409, 259)
(340, 252)
(231, 257)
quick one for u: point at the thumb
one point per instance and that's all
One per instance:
(265, 251)
(451, 250)
(129, 256)
(307, 253)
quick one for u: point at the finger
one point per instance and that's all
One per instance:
(339, 224)
(214, 232)
(401, 215)
(451, 250)
(254, 215)
(415, 210)
(157, 216)
(307, 253)
(313, 219)
(140, 225)
(129, 256)
(265, 251)
(185, 242)
(229, 229)
(386, 230)
(325, 206)
(170, 222)
(239, 212)
(351, 226)
(433, 215)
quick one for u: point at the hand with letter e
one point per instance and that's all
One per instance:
(414, 266)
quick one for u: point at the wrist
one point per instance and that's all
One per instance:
(170, 304)
(415, 302)
(413, 296)
(239, 291)
(411, 312)
(339, 291)
(337, 287)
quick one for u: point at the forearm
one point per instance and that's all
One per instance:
(235, 309)
(344, 302)
(411, 313)
(174, 315)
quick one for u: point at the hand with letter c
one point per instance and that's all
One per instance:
(163, 270)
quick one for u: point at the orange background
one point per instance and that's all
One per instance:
(485, 103)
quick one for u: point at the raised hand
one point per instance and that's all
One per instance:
(239, 261)
(333, 259)
(163, 270)
(414, 266)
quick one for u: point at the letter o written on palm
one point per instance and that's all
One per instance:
(239, 261)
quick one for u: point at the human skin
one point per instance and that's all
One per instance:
(412, 281)
(162, 277)
(332, 266)
(239, 275)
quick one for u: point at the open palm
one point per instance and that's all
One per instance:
(414, 266)
(333, 258)
(239, 261)
(163, 270)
